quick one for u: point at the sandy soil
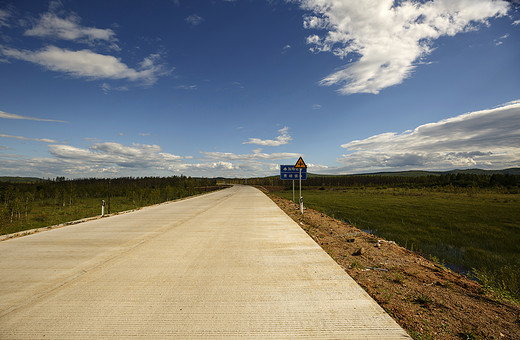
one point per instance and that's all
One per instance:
(426, 299)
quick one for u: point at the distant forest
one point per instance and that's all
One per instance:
(461, 180)
(37, 203)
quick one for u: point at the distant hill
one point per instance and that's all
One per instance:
(20, 179)
(410, 173)
(510, 171)
(418, 173)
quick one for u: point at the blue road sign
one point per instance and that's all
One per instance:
(288, 172)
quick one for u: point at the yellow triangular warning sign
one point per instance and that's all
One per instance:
(300, 164)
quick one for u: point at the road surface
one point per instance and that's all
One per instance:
(229, 264)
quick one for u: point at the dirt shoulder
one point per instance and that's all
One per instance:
(426, 299)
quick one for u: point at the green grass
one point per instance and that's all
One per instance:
(465, 229)
(46, 213)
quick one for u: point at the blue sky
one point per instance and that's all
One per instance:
(235, 88)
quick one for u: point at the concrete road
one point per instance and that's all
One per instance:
(228, 264)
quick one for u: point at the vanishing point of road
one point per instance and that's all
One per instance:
(228, 264)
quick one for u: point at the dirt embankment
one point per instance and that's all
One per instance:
(426, 299)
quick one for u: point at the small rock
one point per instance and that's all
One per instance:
(360, 251)
(350, 240)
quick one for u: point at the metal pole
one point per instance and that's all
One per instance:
(301, 198)
(293, 191)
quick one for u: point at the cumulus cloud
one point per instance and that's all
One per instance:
(51, 167)
(486, 139)
(387, 38)
(15, 116)
(256, 155)
(116, 154)
(59, 24)
(115, 159)
(208, 166)
(112, 159)
(257, 163)
(44, 140)
(282, 139)
(90, 65)
(100, 159)
(317, 167)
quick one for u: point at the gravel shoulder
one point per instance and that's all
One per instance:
(425, 298)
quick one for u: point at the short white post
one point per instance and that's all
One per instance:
(102, 208)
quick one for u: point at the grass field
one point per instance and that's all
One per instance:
(46, 213)
(472, 231)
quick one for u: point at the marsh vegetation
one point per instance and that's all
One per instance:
(468, 223)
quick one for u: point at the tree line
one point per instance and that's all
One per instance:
(461, 180)
(19, 200)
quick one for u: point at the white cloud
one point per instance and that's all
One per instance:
(208, 166)
(107, 158)
(316, 107)
(186, 87)
(254, 164)
(44, 140)
(486, 139)
(282, 139)
(500, 40)
(516, 22)
(90, 65)
(59, 24)
(387, 38)
(116, 155)
(256, 155)
(115, 159)
(15, 116)
(107, 88)
(50, 25)
(317, 167)
(51, 167)
(286, 49)
(194, 19)
(237, 84)
(5, 15)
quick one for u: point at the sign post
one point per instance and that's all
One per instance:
(289, 172)
(301, 197)
(300, 164)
